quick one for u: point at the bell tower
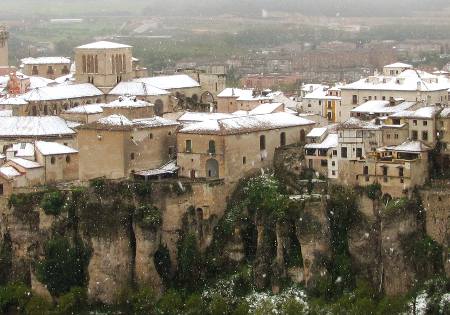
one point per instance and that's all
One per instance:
(4, 35)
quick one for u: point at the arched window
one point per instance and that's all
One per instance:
(67, 159)
(262, 142)
(159, 107)
(283, 139)
(212, 168)
(52, 160)
(212, 147)
(366, 170)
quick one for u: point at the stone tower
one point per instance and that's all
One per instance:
(3, 46)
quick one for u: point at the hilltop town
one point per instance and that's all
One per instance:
(97, 120)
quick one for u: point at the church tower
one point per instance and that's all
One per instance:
(4, 35)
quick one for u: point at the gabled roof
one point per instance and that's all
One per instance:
(331, 141)
(355, 123)
(137, 89)
(103, 45)
(127, 102)
(25, 163)
(169, 82)
(426, 112)
(381, 107)
(45, 60)
(412, 146)
(61, 92)
(9, 172)
(398, 65)
(266, 108)
(30, 126)
(317, 132)
(244, 124)
(86, 109)
(53, 148)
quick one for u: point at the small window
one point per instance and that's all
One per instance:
(355, 99)
(132, 156)
(366, 170)
(344, 153)
(334, 152)
(1, 190)
(283, 139)
(67, 159)
(333, 173)
(50, 70)
(425, 135)
(385, 171)
(396, 136)
(151, 136)
(188, 147)
(388, 136)
(333, 163)
(170, 133)
(35, 70)
(415, 122)
(244, 160)
(323, 163)
(414, 135)
(52, 160)
(359, 152)
(400, 172)
(262, 142)
(212, 147)
(425, 123)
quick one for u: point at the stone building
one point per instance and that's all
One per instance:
(398, 169)
(28, 165)
(83, 114)
(30, 129)
(321, 152)
(145, 92)
(47, 67)
(231, 100)
(230, 148)
(130, 107)
(115, 147)
(104, 64)
(411, 85)
(321, 100)
(52, 100)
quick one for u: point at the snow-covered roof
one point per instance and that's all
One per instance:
(427, 112)
(53, 148)
(22, 149)
(65, 78)
(103, 45)
(321, 93)
(137, 89)
(9, 172)
(244, 124)
(6, 113)
(30, 126)
(168, 168)
(412, 146)
(331, 141)
(86, 109)
(178, 81)
(61, 92)
(127, 102)
(45, 60)
(202, 116)
(154, 122)
(398, 65)
(114, 120)
(38, 82)
(381, 107)
(266, 108)
(445, 113)
(13, 101)
(408, 80)
(235, 92)
(317, 132)
(355, 123)
(25, 163)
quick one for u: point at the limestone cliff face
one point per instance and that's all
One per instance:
(313, 233)
(147, 241)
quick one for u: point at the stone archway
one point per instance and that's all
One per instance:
(207, 98)
(212, 168)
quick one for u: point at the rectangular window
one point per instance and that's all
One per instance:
(385, 171)
(323, 163)
(1, 190)
(359, 152)
(334, 152)
(262, 143)
(396, 136)
(188, 146)
(425, 135)
(244, 160)
(396, 121)
(425, 123)
(344, 153)
(414, 135)
(355, 99)
(400, 172)
(333, 163)
(415, 122)
(388, 136)
(333, 173)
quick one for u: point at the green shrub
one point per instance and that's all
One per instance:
(373, 191)
(73, 302)
(148, 217)
(5, 259)
(170, 303)
(37, 306)
(293, 307)
(195, 305)
(143, 302)
(242, 308)
(64, 265)
(190, 262)
(218, 306)
(52, 203)
(163, 263)
(14, 296)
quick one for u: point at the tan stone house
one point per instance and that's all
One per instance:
(47, 67)
(230, 148)
(115, 146)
